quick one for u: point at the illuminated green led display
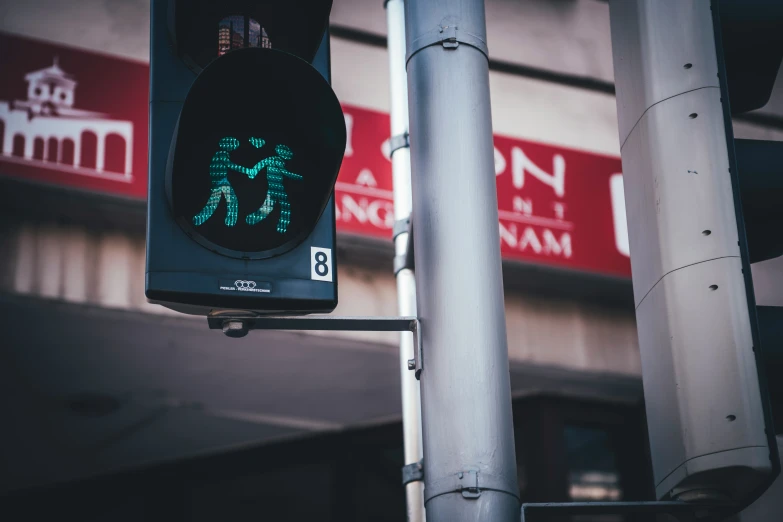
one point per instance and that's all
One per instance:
(275, 170)
(221, 187)
(258, 147)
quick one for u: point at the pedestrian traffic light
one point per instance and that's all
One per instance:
(246, 140)
(701, 207)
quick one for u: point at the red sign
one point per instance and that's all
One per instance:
(79, 119)
(363, 193)
(557, 206)
(561, 207)
(72, 117)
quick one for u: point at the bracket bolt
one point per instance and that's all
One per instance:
(411, 364)
(235, 328)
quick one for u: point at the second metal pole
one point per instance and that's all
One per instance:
(406, 284)
(469, 459)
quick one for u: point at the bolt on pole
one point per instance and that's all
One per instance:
(406, 284)
(467, 431)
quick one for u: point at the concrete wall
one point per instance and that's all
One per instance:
(73, 264)
(521, 107)
(560, 35)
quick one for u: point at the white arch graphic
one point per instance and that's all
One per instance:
(56, 120)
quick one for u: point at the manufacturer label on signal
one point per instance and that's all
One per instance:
(245, 285)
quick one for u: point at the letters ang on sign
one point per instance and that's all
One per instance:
(363, 192)
(534, 225)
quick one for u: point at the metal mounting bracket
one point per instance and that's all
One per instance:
(401, 226)
(413, 472)
(399, 141)
(449, 36)
(236, 323)
(405, 260)
(469, 483)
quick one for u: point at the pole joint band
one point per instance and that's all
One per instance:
(470, 482)
(413, 472)
(449, 36)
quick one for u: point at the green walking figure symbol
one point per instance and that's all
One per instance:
(275, 170)
(221, 187)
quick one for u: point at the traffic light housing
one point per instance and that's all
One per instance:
(246, 140)
(696, 216)
(749, 45)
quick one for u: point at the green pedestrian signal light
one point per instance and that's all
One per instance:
(221, 187)
(258, 146)
(275, 171)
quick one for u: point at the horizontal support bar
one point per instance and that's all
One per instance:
(321, 322)
(540, 511)
(238, 324)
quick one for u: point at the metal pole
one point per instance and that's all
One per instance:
(406, 284)
(469, 463)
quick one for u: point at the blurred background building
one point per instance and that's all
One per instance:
(143, 411)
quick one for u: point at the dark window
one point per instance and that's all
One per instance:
(18, 146)
(89, 150)
(573, 450)
(236, 32)
(115, 153)
(51, 154)
(38, 149)
(68, 152)
(591, 461)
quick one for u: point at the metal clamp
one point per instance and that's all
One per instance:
(401, 226)
(401, 263)
(449, 36)
(237, 323)
(413, 472)
(470, 482)
(399, 141)
(405, 259)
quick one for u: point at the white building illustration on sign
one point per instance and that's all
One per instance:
(48, 131)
